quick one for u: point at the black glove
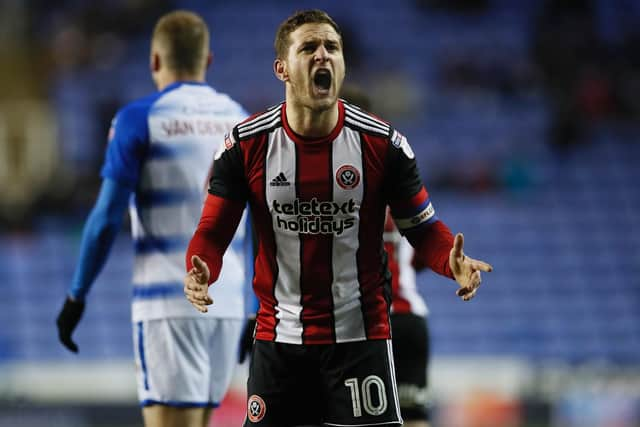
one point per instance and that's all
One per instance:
(67, 321)
(246, 340)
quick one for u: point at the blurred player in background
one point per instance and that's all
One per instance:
(160, 149)
(409, 327)
(318, 174)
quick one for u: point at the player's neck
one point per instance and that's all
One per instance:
(311, 123)
(163, 80)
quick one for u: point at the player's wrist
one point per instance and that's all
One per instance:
(76, 299)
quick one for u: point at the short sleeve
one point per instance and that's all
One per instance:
(128, 142)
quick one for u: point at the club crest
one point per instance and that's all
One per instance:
(347, 177)
(256, 408)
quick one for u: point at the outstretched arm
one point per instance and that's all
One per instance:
(416, 218)
(432, 244)
(98, 236)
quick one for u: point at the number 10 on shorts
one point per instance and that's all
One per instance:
(364, 399)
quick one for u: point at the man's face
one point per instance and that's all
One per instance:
(314, 66)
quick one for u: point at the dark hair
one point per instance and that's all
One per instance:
(298, 19)
(185, 36)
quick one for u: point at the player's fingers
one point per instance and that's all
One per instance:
(470, 295)
(190, 294)
(458, 244)
(191, 282)
(476, 279)
(67, 342)
(200, 307)
(469, 283)
(480, 265)
(197, 295)
(463, 291)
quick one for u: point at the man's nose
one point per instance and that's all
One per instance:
(321, 54)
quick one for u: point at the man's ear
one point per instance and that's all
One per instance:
(154, 62)
(280, 70)
(209, 59)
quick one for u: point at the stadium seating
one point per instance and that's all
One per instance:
(561, 230)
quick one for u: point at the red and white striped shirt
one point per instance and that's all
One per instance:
(318, 208)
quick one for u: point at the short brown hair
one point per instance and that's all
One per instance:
(185, 36)
(298, 19)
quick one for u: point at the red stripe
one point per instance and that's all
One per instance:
(399, 304)
(369, 257)
(266, 268)
(314, 180)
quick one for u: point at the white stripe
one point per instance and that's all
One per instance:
(281, 158)
(262, 116)
(407, 279)
(258, 121)
(258, 125)
(394, 390)
(177, 306)
(424, 216)
(254, 131)
(364, 126)
(158, 268)
(169, 174)
(365, 121)
(350, 110)
(168, 221)
(366, 117)
(345, 289)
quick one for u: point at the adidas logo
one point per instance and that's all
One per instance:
(280, 181)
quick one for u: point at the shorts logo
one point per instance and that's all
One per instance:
(256, 408)
(228, 142)
(227, 145)
(348, 177)
(398, 140)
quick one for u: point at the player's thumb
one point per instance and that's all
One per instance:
(201, 267)
(458, 243)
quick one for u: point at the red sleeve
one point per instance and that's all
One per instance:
(218, 223)
(432, 244)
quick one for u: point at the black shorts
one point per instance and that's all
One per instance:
(411, 354)
(347, 384)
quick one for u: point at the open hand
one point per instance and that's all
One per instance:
(196, 285)
(466, 271)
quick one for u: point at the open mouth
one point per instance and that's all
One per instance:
(322, 80)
